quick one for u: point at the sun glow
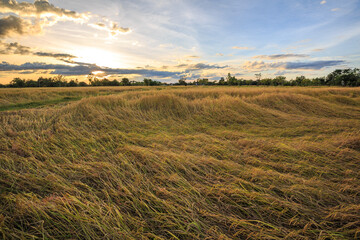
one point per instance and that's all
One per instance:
(98, 72)
(100, 57)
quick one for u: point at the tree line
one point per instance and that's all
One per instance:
(341, 77)
(60, 81)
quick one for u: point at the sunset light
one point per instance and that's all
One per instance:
(98, 72)
(180, 119)
(100, 57)
(171, 40)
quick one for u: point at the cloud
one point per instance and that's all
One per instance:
(16, 48)
(113, 29)
(40, 8)
(60, 56)
(182, 65)
(335, 9)
(84, 69)
(323, 2)
(315, 65)
(116, 29)
(281, 56)
(192, 56)
(219, 54)
(27, 72)
(78, 68)
(252, 66)
(239, 74)
(45, 14)
(12, 25)
(4, 66)
(317, 50)
(311, 65)
(200, 66)
(207, 66)
(243, 48)
(283, 72)
(143, 72)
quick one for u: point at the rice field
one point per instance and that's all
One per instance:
(180, 163)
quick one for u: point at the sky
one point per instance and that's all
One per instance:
(166, 40)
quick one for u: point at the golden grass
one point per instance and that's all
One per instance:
(12, 96)
(182, 163)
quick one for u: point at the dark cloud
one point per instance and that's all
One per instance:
(4, 66)
(144, 72)
(282, 72)
(55, 55)
(16, 48)
(85, 69)
(315, 65)
(207, 66)
(281, 56)
(200, 66)
(28, 72)
(182, 65)
(311, 65)
(12, 25)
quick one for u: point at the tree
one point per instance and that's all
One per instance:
(279, 81)
(299, 80)
(91, 78)
(149, 82)
(231, 80)
(17, 83)
(182, 81)
(318, 81)
(345, 77)
(72, 83)
(94, 81)
(59, 81)
(258, 76)
(31, 83)
(333, 78)
(125, 82)
(265, 81)
(203, 81)
(350, 77)
(115, 83)
(221, 81)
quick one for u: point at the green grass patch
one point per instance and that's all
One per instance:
(38, 104)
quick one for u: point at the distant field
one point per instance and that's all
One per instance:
(180, 163)
(14, 99)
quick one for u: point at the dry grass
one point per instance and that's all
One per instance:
(182, 163)
(15, 97)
